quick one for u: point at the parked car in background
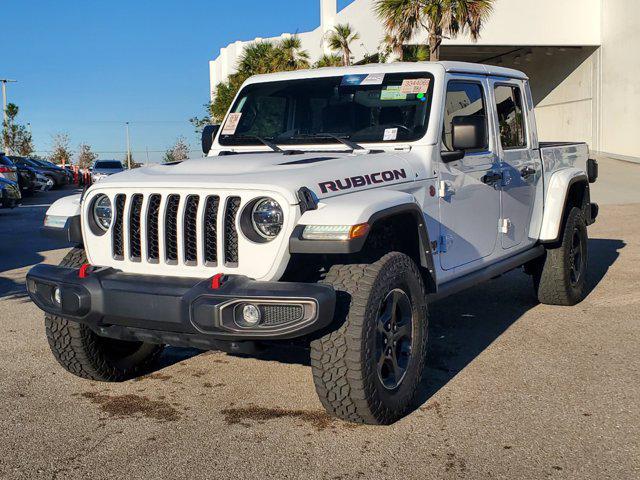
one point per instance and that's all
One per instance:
(105, 168)
(8, 170)
(48, 169)
(9, 194)
(43, 183)
(26, 180)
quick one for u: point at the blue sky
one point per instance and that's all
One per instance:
(86, 67)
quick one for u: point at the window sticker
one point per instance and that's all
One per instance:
(392, 93)
(415, 85)
(363, 79)
(373, 79)
(231, 124)
(390, 134)
(353, 80)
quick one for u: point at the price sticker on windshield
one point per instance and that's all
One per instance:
(231, 125)
(415, 85)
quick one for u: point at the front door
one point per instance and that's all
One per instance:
(521, 167)
(469, 198)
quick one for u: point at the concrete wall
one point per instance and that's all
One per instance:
(514, 22)
(620, 79)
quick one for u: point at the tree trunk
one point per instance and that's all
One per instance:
(434, 48)
(346, 57)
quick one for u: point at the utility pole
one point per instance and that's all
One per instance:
(128, 148)
(4, 98)
(147, 164)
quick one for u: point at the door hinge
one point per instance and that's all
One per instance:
(504, 225)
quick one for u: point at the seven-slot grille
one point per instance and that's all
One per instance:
(173, 229)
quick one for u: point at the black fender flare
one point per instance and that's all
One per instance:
(298, 245)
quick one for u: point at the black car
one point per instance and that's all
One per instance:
(9, 194)
(27, 180)
(55, 173)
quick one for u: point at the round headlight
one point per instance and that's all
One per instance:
(267, 218)
(102, 212)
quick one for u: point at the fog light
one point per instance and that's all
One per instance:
(57, 296)
(251, 315)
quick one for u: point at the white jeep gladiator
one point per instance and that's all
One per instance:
(331, 207)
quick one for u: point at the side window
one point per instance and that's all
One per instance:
(510, 117)
(464, 99)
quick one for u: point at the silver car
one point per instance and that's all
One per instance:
(104, 168)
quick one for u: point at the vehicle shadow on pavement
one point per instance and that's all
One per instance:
(464, 325)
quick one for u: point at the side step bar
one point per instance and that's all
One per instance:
(487, 273)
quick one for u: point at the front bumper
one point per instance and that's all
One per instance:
(180, 312)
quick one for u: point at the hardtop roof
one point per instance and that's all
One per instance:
(396, 67)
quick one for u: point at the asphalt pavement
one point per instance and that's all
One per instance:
(513, 389)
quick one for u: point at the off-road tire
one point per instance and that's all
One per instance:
(552, 276)
(343, 360)
(87, 355)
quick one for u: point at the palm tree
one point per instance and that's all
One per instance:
(441, 18)
(340, 39)
(328, 61)
(290, 55)
(258, 58)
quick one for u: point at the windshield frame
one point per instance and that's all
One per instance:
(242, 139)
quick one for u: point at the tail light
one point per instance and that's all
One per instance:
(5, 169)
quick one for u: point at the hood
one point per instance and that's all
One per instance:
(325, 173)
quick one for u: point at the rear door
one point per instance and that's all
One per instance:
(469, 204)
(520, 165)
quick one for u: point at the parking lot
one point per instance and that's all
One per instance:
(513, 389)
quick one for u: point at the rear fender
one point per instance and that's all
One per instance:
(555, 203)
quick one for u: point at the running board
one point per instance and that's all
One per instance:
(486, 273)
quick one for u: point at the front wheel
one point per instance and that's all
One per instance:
(85, 354)
(369, 369)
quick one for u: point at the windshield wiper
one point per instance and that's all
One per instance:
(344, 140)
(269, 144)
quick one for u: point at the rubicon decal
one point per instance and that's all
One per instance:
(362, 180)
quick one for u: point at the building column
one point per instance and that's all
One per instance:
(328, 14)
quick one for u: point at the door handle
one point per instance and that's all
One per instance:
(526, 172)
(491, 178)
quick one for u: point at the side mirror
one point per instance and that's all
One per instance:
(468, 133)
(208, 134)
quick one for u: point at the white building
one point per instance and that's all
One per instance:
(583, 58)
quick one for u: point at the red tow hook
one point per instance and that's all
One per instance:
(85, 271)
(217, 281)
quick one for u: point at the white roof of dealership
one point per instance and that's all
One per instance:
(575, 52)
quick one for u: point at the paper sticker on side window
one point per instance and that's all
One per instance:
(231, 124)
(392, 93)
(390, 134)
(415, 85)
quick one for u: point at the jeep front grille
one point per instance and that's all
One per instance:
(176, 229)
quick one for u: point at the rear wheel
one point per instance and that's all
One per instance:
(85, 354)
(368, 369)
(560, 278)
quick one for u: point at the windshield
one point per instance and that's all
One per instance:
(108, 165)
(362, 108)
